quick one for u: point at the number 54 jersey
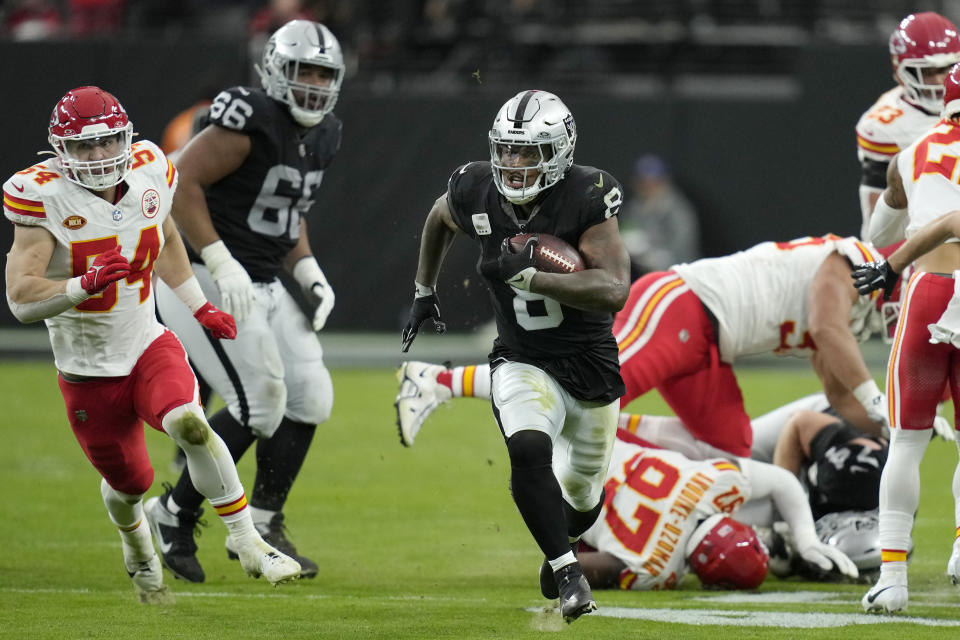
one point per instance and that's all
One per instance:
(107, 333)
(654, 500)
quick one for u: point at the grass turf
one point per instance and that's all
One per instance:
(412, 543)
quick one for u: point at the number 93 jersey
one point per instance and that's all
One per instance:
(105, 334)
(654, 501)
(575, 346)
(256, 209)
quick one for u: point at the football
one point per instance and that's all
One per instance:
(553, 254)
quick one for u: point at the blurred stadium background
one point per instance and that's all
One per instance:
(752, 102)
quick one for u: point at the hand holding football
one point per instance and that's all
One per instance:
(553, 254)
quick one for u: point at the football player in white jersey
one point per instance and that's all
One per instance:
(921, 187)
(664, 513)
(922, 48)
(92, 226)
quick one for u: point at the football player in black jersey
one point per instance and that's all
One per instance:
(246, 182)
(556, 379)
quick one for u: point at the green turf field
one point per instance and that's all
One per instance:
(412, 543)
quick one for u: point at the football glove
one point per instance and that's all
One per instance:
(827, 557)
(315, 286)
(518, 269)
(425, 305)
(871, 276)
(237, 295)
(107, 268)
(220, 325)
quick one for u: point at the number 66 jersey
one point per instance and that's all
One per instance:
(105, 334)
(654, 501)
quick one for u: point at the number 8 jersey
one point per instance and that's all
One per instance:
(105, 334)
(654, 501)
(256, 209)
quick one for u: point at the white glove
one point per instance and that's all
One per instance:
(237, 296)
(874, 402)
(309, 275)
(827, 557)
(944, 428)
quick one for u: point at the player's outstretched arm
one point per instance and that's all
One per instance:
(784, 489)
(604, 285)
(439, 231)
(927, 238)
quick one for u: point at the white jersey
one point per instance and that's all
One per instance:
(107, 333)
(890, 125)
(759, 296)
(929, 172)
(654, 501)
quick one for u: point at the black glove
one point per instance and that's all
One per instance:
(518, 269)
(423, 307)
(871, 276)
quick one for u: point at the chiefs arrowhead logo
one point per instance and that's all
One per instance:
(74, 222)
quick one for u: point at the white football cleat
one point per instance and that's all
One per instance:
(419, 395)
(147, 577)
(260, 559)
(889, 595)
(953, 565)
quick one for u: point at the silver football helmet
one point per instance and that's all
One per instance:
(302, 42)
(535, 125)
(857, 534)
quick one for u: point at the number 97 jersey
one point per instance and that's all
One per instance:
(654, 500)
(256, 209)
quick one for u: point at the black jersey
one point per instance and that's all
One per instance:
(847, 475)
(256, 209)
(575, 346)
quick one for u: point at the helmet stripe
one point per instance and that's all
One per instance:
(522, 108)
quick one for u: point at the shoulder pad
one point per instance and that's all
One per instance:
(149, 159)
(468, 176)
(23, 194)
(602, 191)
(241, 109)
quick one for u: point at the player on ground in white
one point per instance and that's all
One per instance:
(922, 49)
(664, 513)
(92, 225)
(921, 187)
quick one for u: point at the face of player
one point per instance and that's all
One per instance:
(312, 76)
(935, 75)
(95, 150)
(519, 158)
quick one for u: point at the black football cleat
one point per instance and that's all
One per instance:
(576, 599)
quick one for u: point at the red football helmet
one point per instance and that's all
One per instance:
(87, 117)
(951, 92)
(921, 41)
(727, 554)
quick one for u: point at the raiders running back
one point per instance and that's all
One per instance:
(574, 346)
(286, 163)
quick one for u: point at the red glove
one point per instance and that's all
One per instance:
(219, 323)
(107, 268)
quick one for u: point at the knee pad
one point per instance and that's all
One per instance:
(186, 424)
(529, 449)
(111, 495)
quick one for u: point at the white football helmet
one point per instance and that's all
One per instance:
(295, 43)
(857, 534)
(539, 120)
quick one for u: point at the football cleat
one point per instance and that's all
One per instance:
(147, 577)
(174, 534)
(576, 599)
(260, 559)
(274, 533)
(889, 595)
(419, 395)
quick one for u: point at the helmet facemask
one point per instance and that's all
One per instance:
(910, 74)
(542, 160)
(294, 46)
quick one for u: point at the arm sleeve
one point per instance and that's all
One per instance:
(784, 489)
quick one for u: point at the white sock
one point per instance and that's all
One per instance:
(471, 381)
